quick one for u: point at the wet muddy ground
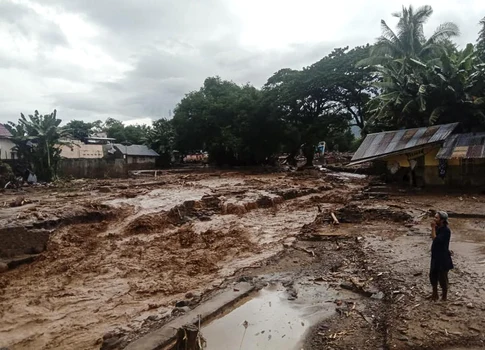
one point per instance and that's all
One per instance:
(120, 254)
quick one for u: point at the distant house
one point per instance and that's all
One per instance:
(77, 149)
(433, 155)
(136, 154)
(6, 145)
(92, 147)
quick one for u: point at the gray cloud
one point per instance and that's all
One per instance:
(23, 22)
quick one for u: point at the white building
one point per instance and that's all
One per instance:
(6, 145)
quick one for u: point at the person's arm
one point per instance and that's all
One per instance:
(433, 230)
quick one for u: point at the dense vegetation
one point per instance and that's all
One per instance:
(405, 79)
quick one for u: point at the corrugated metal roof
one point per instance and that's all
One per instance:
(136, 150)
(471, 145)
(4, 131)
(385, 143)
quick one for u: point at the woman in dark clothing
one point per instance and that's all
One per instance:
(441, 261)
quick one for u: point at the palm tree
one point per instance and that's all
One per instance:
(444, 90)
(40, 136)
(481, 40)
(409, 40)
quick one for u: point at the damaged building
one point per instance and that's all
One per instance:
(435, 155)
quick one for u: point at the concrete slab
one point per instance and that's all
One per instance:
(165, 335)
(14, 262)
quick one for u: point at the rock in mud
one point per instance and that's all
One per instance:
(288, 284)
(181, 303)
(109, 335)
(104, 189)
(180, 310)
(189, 295)
(111, 340)
(3, 268)
(130, 194)
(347, 286)
(37, 250)
(245, 279)
(378, 296)
(18, 202)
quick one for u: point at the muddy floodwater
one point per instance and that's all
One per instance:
(142, 249)
(271, 319)
(114, 260)
(272, 323)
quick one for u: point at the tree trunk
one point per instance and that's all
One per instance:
(308, 153)
(49, 169)
(291, 158)
(187, 338)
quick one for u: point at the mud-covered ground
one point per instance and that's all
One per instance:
(121, 253)
(390, 270)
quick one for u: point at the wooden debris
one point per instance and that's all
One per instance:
(335, 220)
(189, 338)
(308, 251)
(18, 202)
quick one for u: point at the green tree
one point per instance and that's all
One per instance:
(423, 81)
(161, 138)
(481, 40)
(229, 121)
(448, 89)
(348, 87)
(134, 134)
(322, 101)
(115, 129)
(37, 140)
(81, 130)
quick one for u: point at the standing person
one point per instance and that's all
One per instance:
(441, 261)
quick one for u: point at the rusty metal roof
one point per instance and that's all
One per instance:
(470, 145)
(136, 150)
(382, 144)
(4, 131)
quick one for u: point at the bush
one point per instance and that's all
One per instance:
(6, 174)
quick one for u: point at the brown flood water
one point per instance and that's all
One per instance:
(96, 278)
(270, 321)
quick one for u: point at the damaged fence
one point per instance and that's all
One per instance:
(93, 168)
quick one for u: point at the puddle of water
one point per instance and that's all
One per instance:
(273, 322)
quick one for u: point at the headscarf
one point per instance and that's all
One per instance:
(443, 216)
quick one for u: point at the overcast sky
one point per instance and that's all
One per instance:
(135, 59)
